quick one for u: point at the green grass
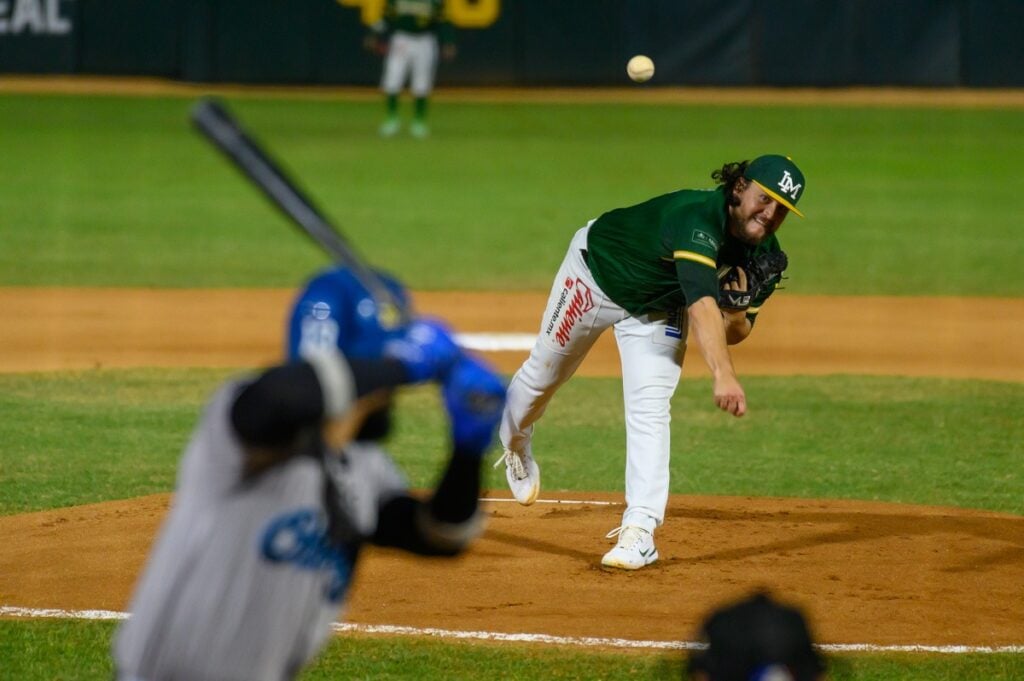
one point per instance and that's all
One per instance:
(78, 651)
(119, 191)
(91, 436)
(55, 650)
(103, 434)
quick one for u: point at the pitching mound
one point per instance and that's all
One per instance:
(866, 572)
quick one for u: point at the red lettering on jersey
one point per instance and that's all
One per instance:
(581, 303)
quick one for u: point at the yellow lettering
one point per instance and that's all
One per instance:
(462, 13)
(473, 13)
(370, 11)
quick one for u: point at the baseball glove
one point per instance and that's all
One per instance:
(762, 272)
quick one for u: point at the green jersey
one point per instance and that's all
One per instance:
(665, 253)
(417, 16)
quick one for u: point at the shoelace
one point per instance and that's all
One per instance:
(629, 536)
(513, 461)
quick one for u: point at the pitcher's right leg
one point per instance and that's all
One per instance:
(577, 312)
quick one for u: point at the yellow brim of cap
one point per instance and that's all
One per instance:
(781, 199)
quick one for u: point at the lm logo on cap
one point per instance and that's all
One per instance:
(787, 185)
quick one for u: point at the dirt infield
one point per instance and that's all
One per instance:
(961, 98)
(867, 572)
(63, 328)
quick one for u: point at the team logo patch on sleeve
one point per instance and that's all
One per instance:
(702, 238)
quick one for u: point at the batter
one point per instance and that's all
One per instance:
(651, 272)
(274, 501)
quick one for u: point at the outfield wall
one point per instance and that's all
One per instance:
(973, 43)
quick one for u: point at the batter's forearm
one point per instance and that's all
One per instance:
(442, 526)
(457, 495)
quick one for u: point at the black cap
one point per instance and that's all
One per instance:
(757, 639)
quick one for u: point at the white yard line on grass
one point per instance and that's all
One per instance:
(582, 641)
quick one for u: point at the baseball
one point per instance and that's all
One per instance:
(640, 68)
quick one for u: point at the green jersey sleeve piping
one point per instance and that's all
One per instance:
(695, 257)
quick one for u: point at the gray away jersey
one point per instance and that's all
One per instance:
(242, 583)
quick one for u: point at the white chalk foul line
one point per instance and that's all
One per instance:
(12, 611)
(495, 342)
(587, 641)
(947, 650)
(578, 502)
(582, 641)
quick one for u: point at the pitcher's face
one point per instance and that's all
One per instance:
(756, 216)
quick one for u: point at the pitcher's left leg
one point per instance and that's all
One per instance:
(652, 354)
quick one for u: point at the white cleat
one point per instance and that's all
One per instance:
(390, 127)
(523, 475)
(634, 550)
(419, 130)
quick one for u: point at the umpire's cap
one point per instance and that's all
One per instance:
(757, 639)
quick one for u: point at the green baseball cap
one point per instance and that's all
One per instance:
(779, 177)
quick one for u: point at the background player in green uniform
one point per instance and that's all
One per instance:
(652, 271)
(409, 34)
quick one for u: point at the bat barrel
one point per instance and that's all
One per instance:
(212, 118)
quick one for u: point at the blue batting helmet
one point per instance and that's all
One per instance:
(335, 309)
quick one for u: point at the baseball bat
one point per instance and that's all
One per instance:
(224, 131)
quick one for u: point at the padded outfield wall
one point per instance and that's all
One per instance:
(806, 43)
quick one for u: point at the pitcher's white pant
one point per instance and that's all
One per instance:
(651, 350)
(415, 52)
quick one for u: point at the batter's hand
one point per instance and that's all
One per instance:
(426, 349)
(729, 395)
(474, 396)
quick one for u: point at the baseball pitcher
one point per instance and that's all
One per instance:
(274, 500)
(700, 261)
